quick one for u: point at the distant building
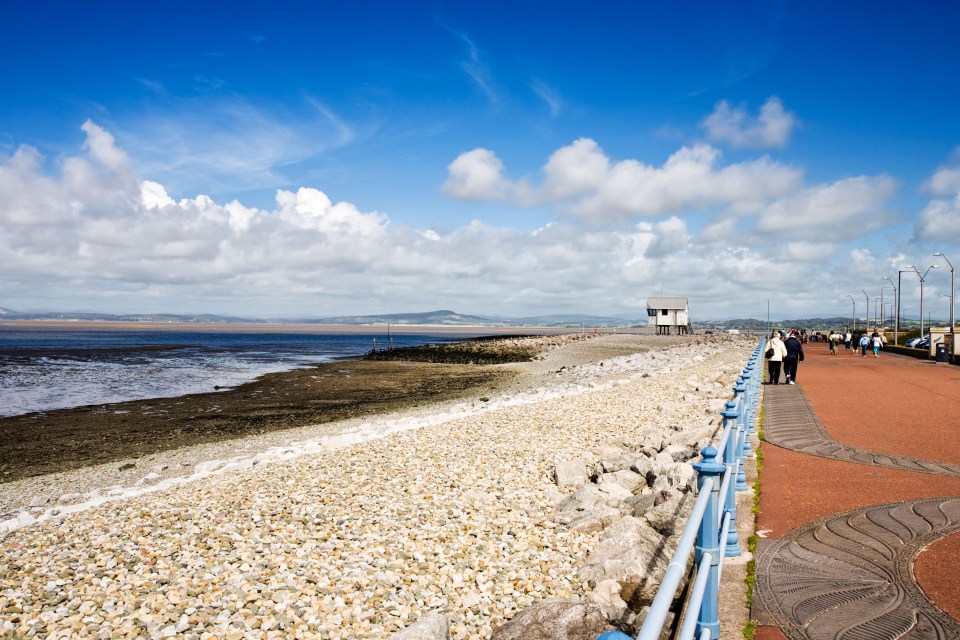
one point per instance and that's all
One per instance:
(668, 313)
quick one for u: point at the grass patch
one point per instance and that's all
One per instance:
(750, 629)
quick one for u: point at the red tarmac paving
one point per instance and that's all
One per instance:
(891, 404)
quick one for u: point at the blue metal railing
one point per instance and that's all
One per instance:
(711, 531)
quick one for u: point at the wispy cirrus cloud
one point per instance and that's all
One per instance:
(475, 66)
(223, 143)
(479, 71)
(549, 95)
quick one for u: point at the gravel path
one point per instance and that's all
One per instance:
(353, 530)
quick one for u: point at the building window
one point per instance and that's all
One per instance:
(663, 312)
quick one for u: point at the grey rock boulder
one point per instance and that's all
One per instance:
(615, 494)
(585, 498)
(434, 627)
(671, 512)
(630, 480)
(644, 466)
(641, 503)
(571, 473)
(555, 620)
(592, 521)
(654, 441)
(606, 595)
(614, 459)
(634, 554)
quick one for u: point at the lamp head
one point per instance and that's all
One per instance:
(938, 254)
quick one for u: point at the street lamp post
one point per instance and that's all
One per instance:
(896, 299)
(900, 298)
(922, 279)
(940, 255)
(853, 316)
(867, 298)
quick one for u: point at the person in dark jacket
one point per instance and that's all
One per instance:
(793, 358)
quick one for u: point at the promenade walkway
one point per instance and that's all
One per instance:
(860, 501)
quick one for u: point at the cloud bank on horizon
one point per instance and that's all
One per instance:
(726, 215)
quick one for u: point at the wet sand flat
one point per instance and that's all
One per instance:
(53, 441)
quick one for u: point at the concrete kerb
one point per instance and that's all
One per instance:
(734, 612)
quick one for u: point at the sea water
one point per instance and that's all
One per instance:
(43, 369)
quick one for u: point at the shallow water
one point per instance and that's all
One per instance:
(43, 369)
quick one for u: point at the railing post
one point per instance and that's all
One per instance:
(730, 459)
(748, 417)
(708, 541)
(739, 396)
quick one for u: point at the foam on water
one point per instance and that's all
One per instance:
(48, 370)
(53, 383)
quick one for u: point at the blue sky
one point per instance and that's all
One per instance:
(310, 159)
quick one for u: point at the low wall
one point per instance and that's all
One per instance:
(921, 354)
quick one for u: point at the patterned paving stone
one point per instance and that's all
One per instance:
(850, 576)
(790, 422)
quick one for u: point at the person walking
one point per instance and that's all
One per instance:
(793, 357)
(775, 352)
(876, 342)
(834, 341)
(864, 343)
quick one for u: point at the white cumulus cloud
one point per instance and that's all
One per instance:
(670, 237)
(939, 220)
(477, 175)
(772, 127)
(92, 234)
(840, 210)
(581, 180)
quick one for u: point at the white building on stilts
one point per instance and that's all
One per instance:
(669, 315)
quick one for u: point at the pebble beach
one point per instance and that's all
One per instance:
(355, 529)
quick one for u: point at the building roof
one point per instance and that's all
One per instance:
(666, 303)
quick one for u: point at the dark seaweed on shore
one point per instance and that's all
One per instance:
(479, 351)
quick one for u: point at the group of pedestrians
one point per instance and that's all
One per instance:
(785, 354)
(853, 342)
(874, 342)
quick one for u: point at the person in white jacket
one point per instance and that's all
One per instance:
(775, 359)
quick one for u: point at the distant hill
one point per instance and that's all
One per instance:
(575, 320)
(833, 322)
(441, 317)
(81, 316)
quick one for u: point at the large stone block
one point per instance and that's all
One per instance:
(571, 473)
(626, 478)
(434, 627)
(632, 553)
(555, 620)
